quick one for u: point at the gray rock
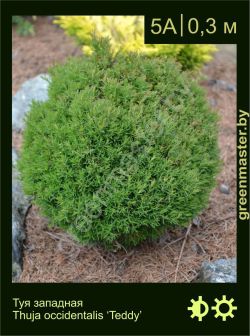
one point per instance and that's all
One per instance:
(231, 87)
(224, 189)
(212, 82)
(219, 271)
(197, 221)
(20, 205)
(14, 157)
(33, 89)
(221, 84)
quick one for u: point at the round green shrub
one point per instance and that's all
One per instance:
(124, 148)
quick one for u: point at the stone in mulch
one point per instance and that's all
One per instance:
(219, 271)
(33, 89)
(224, 189)
(221, 84)
(20, 206)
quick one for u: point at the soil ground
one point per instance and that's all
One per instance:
(51, 255)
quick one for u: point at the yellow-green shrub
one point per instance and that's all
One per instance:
(126, 34)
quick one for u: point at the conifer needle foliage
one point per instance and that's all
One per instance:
(126, 34)
(124, 148)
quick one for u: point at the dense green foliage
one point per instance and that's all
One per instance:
(124, 148)
(126, 34)
(24, 27)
